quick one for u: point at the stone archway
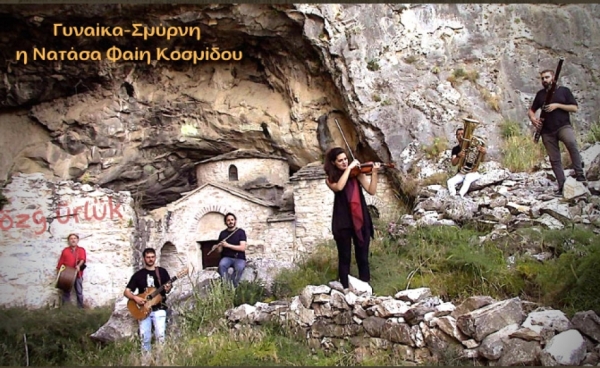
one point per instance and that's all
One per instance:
(172, 260)
(373, 211)
(233, 173)
(375, 206)
(209, 227)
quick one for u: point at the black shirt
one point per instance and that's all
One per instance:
(559, 117)
(144, 279)
(455, 150)
(341, 219)
(238, 237)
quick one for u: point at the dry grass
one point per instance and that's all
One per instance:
(510, 128)
(454, 82)
(594, 133)
(472, 76)
(410, 59)
(411, 186)
(434, 150)
(406, 188)
(519, 152)
(439, 178)
(522, 154)
(492, 99)
(459, 74)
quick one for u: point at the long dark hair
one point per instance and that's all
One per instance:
(333, 173)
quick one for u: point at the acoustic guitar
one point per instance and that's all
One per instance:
(152, 297)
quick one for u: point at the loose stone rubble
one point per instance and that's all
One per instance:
(506, 201)
(420, 328)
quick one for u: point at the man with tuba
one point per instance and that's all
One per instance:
(467, 154)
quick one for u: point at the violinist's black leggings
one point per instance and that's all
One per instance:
(344, 246)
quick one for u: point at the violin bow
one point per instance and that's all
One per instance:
(345, 141)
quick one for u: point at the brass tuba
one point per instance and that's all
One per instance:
(470, 146)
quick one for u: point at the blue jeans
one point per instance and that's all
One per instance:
(238, 269)
(66, 297)
(159, 320)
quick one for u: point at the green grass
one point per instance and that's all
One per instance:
(522, 154)
(318, 269)
(594, 133)
(373, 65)
(519, 151)
(451, 261)
(60, 337)
(460, 74)
(434, 150)
(53, 335)
(454, 264)
(510, 128)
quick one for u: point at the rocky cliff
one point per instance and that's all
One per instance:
(390, 73)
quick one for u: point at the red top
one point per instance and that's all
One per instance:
(68, 258)
(352, 189)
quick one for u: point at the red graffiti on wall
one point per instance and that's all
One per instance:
(97, 211)
(20, 221)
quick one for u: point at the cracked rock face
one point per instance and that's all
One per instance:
(380, 69)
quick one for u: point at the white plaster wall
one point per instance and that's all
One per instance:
(313, 202)
(273, 170)
(280, 240)
(28, 255)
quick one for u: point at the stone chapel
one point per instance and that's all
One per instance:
(284, 216)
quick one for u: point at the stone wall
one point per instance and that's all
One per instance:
(313, 202)
(415, 327)
(34, 226)
(199, 216)
(280, 239)
(264, 170)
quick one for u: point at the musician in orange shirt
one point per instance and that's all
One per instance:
(73, 256)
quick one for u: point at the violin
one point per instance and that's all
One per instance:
(366, 168)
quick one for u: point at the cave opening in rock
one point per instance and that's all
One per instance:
(140, 126)
(129, 90)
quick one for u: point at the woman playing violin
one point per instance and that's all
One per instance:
(351, 219)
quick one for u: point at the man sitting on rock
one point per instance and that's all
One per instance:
(232, 245)
(467, 179)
